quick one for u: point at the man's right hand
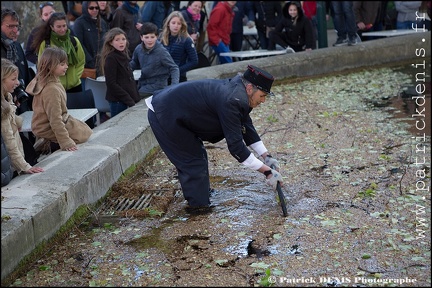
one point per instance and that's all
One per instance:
(274, 178)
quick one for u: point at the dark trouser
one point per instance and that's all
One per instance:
(30, 155)
(117, 108)
(281, 39)
(236, 43)
(187, 153)
(78, 88)
(262, 39)
(344, 19)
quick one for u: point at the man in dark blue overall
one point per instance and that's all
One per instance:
(184, 115)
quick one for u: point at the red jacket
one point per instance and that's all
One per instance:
(220, 24)
(309, 8)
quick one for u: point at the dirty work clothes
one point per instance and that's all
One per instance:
(191, 112)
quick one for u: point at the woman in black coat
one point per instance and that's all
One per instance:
(268, 14)
(90, 29)
(294, 30)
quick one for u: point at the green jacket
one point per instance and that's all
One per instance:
(72, 78)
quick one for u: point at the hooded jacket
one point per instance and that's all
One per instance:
(90, 33)
(299, 33)
(50, 114)
(219, 26)
(10, 125)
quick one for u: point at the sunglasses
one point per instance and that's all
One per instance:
(93, 7)
(41, 6)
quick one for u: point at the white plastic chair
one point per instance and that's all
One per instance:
(99, 91)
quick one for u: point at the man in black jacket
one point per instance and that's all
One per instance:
(13, 51)
(184, 115)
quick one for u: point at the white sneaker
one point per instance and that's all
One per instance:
(289, 50)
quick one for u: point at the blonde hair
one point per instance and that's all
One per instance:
(166, 32)
(7, 69)
(51, 57)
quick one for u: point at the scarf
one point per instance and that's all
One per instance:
(65, 43)
(294, 20)
(195, 17)
(11, 51)
(134, 10)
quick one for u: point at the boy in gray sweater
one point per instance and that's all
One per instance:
(154, 61)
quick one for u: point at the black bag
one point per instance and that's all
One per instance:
(203, 61)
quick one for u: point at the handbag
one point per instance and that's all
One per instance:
(268, 29)
(89, 72)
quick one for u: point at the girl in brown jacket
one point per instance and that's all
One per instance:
(10, 122)
(51, 119)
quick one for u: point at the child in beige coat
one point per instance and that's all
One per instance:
(51, 120)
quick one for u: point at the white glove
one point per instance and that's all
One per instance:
(274, 179)
(269, 161)
(250, 24)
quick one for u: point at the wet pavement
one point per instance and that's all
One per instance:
(353, 212)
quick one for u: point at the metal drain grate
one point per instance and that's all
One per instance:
(123, 204)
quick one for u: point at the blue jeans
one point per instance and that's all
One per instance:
(344, 19)
(117, 107)
(220, 49)
(409, 25)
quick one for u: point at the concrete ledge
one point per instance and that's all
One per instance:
(327, 60)
(39, 204)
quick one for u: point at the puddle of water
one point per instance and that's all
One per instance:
(239, 249)
(404, 106)
(154, 240)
